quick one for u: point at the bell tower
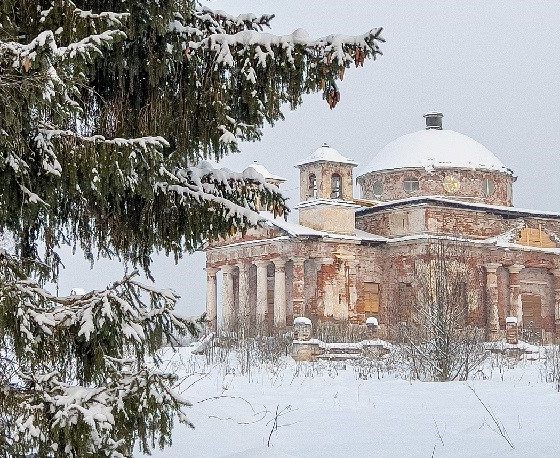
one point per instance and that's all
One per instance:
(326, 191)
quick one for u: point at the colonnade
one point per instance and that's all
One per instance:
(514, 307)
(238, 283)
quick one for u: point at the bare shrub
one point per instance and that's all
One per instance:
(552, 366)
(439, 344)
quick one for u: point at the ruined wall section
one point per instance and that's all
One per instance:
(440, 220)
(394, 222)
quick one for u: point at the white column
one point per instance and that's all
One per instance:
(298, 301)
(227, 297)
(262, 292)
(279, 293)
(493, 323)
(244, 295)
(515, 309)
(211, 299)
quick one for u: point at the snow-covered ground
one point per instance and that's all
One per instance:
(330, 410)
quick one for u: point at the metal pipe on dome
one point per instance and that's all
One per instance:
(434, 120)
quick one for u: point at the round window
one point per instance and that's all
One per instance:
(488, 187)
(377, 188)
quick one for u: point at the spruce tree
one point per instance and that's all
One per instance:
(108, 112)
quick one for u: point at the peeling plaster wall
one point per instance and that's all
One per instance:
(471, 185)
(410, 220)
(335, 274)
(323, 172)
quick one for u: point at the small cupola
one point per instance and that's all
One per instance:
(326, 174)
(269, 178)
(256, 169)
(326, 191)
(434, 120)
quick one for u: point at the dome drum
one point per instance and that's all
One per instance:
(493, 188)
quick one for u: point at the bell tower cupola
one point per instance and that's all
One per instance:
(326, 191)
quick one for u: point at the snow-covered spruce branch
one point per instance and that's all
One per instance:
(218, 21)
(118, 312)
(204, 21)
(204, 183)
(24, 55)
(78, 415)
(333, 48)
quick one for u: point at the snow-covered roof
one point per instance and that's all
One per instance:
(329, 202)
(328, 154)
(435, 148)
(297, 230)
(259, 168)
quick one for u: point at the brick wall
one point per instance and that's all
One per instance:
(471, 185)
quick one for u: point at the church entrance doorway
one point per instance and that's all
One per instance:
(531, 307)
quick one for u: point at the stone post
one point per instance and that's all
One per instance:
(492, 324)
(211, 299)
(298, 287)
(244, 314)
(279, 293)
(515, 308)
(262, 293)
(227, 297)
(556, 273)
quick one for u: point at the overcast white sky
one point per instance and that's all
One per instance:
(492, 68)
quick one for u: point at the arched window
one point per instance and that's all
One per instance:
(411, 184)
(336, 186)
(377, 188)
(488, 187)
(312, 186)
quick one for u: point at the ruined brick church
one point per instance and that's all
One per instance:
(352, 258)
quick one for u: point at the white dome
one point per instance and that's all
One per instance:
(435, 148)
(326, 153)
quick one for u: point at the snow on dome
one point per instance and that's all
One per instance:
(259, 168)
(326, 153)
(435, 148)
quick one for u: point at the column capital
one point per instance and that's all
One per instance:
(261, 262)
(211, 271)
(299, 259)
(515, 268)
(492, 267)
(325, 260)
(227, 269)
(243, 265)
(279, 263)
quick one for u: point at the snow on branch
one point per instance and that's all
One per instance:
(204, 183)
(75, 413)
(118, 311)
(221, 21)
